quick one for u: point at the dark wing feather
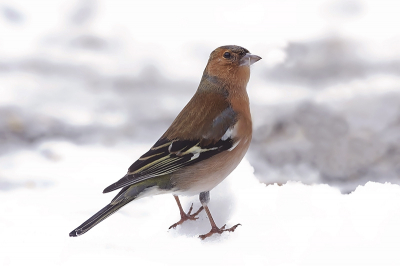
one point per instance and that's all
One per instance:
(221, 124)
(168, 156)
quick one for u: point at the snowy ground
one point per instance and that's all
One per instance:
(292, 224)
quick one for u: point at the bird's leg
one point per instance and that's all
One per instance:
(185, 216)
(214, 228)
(204, 199)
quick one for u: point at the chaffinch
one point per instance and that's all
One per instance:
(203, 145)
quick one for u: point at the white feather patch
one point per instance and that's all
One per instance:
(227, 134)
(196, 150)
(195, 156)
(230, 133)
(234, 145)
(170, 147)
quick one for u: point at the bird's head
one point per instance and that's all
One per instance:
(230, 63)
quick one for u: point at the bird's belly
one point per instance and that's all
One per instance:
(207, 174)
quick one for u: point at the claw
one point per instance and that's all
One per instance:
(187, 216)
(218, 231)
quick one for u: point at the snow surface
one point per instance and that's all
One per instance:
(292, 224)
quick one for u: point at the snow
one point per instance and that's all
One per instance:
(292, 224)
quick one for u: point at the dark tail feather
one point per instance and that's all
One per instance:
(99, 216)
(125, 196)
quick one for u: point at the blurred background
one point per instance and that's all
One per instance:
(325, 98)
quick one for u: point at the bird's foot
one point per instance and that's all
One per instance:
(187, 216)
(218, 231)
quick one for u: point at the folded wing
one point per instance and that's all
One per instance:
(168, 156)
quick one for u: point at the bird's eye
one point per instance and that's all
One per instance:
(227, 55)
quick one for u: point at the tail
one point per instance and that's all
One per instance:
(99, 216)
(126, 195)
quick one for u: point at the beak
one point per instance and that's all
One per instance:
(249, 59)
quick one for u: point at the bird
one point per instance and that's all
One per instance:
(202, 146)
